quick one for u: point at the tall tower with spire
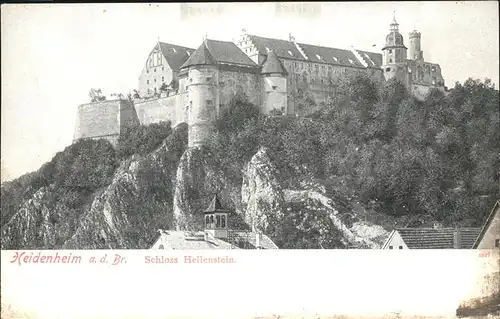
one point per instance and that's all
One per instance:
(394, 54)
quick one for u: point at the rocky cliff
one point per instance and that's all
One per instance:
(168, 188)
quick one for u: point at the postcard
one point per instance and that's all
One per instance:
(149, 151)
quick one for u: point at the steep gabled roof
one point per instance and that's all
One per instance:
(371, 58)
(215, 206)
(314, 53)
(282, 48)
(175, 55)
(215, 52)
(437, 238)
(491, 216)
(201, 56)
(330, 55)
(273, 65)
(228, 52)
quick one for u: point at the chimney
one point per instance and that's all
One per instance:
(456, 239)
(257, 240)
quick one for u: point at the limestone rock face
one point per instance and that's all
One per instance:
(261, 193)
(349, 231)
(124, 214)
(170, 187)
(196, 183)
(41, 222)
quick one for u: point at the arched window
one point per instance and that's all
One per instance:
(161, 247)
(223, 221)
(218, 221)
(211, 221)
(207, 221)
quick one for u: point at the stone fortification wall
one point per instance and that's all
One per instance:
(232, 82)
(169, 108)
(274, 93)
(420, 91)
(104, 119)
(203, 104)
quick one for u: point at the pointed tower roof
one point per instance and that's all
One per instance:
(201, 56)
(215, 206)
(272, 64)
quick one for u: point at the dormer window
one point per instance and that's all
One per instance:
(318, 56)
(188, 53)
(267, 49)
(290, 52)
(173, 49)
(351, 61)
(335, 58)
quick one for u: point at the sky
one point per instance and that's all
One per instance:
(52, 54)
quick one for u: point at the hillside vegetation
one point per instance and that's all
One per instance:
(420, 161)
(368, 159)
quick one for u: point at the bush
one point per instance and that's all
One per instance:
(143, 139)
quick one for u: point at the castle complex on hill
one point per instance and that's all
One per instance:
(180, 84)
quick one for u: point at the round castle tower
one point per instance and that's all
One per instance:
(274, 86)
(394, 54)
(414, 50)
(202, 92)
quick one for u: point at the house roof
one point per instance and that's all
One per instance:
(234, 236)
(372, 59)
(196, 240)
(330, 55)
(273, 65)
(190, 240)
(201, 56)
(491, 216)
(282, 48)
(215, 206)
(214, 52)
(437, 238)
(175, 55)
(314, 53)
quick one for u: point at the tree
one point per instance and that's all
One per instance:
(96, 96)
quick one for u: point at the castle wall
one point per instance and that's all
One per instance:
(156, 71)
(274, 94)
(318, 79)
(233, 82)
(104, 119)
(420, 91)
(425, 73)
(169, 108)
(203, 102)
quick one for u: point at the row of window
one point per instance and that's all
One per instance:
(219, 221)
(154, 80)
(400, 247)
(154, 70)
(155, 59)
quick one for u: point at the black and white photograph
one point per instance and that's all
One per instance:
(270, 126)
